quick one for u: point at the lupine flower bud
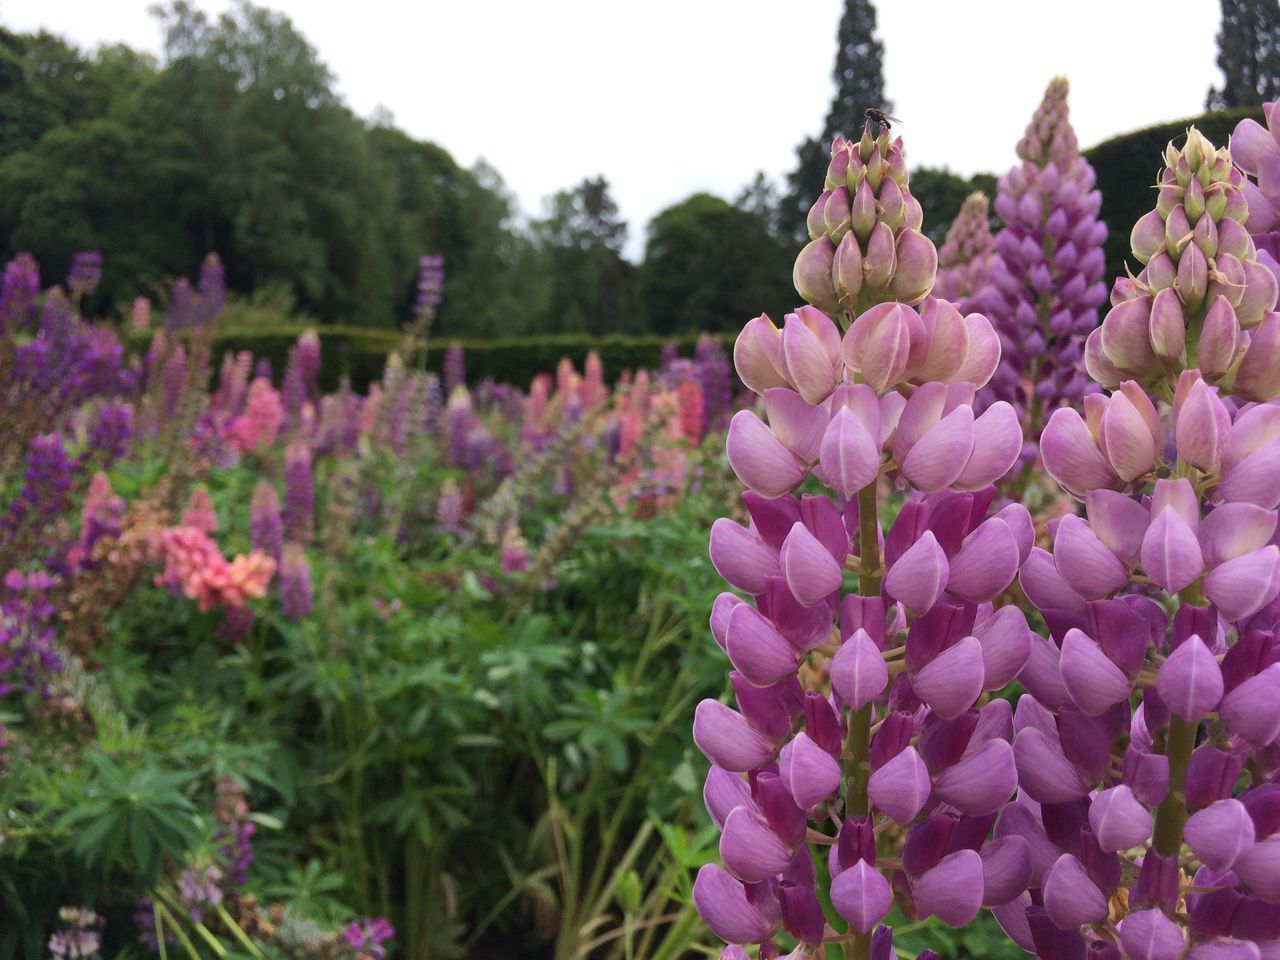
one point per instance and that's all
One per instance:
(1150, 935)
(867, 247)
(901, 786)
(1183, 271)
(1070, 896)
(759, 459)
(728, 908)
(861, 895)
(811, 354)
(1220, 833)
(952, 890)
(1190, 681)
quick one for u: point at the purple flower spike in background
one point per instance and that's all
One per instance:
(968, 257)
(430, 286)
(85, 272)
(1046, 282)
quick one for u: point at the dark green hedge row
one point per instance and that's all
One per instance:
(361, 352)
(1127, 169)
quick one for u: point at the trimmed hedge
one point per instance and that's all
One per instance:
(1127, 168)
(361, 352)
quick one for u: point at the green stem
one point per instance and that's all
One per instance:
(1172, 812)
(858, 744)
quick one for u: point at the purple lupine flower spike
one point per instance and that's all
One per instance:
(1161, 602)
(1046, 283)
(914, 649)
(967, 258)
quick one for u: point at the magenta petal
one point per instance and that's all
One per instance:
(1125, 439)
(797, 425)
(1219, 833)
(980, 782)
(1012, 918)
(811, 353)
(1252, 710)
(1042, 584)
(809, 772)
(919, 576)
(1259, 868)
(939, 457)
(727, 739)
(751, 850)
(1093, 682)
(986, 562)
(1150, 935)
(861, 895)
(878, 344)
(1018, 520)
(1249, 143)
(1084, 561)
(1006, 870)
(1190, 681)
(759, 458)
(951, 681)
(1119, 521)
(1042, 673)
(722, 902)
(901, 786)
(1171, 553)
(1118, 820)
(720, 609)
(1072, 456)
(757, 650)
(995, 722)
(723, 791)
(1243, 586)
(1252, 480)
(858, 672)
(984, 352)
(997, 441)
(1233, 529)
(1044, 772)
(741, 557)
(952, 890)
(1201, 427)
(811, 572)
(1070, 897)
(849, 455)
(1006, 645)
(1018, 819)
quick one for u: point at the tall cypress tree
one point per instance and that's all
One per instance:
(859, 78)
(1248, 54)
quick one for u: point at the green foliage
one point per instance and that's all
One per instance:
(360, 353)
(238, 144)
(710, 265)
(582, 238)
(1127, 168)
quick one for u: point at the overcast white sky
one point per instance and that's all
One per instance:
(668, 97)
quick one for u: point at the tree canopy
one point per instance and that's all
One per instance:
(1248, 54)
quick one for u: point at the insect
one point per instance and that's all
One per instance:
(875, 115)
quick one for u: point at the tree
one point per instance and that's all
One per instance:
(582, 238)
(859, 80)
(1248, 54)
(710, 265)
